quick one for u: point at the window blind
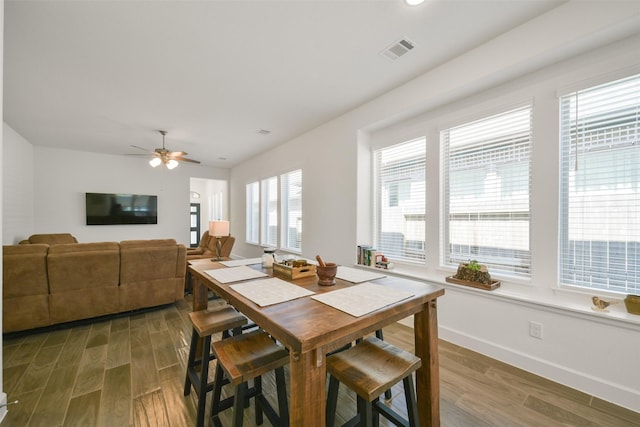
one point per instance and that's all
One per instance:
(486, 186)
(400, 200)
(269, 196)
(253, 212)
(600, 180)
(292, 210)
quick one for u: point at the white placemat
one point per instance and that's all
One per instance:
(234, 274)
(356, 275)
(239, 262)
(270, 291)
(362, 299)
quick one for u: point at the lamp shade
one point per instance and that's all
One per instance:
(155, 161)
(218, 228)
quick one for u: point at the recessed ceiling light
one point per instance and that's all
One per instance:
(413, 2)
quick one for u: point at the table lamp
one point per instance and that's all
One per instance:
(217, 229)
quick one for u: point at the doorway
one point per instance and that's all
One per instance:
(212, 197)
(195, 225)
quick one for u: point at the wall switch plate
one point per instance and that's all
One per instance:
(535, 329)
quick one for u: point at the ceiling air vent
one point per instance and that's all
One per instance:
(399, 48)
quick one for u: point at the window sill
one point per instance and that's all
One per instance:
(568, 302)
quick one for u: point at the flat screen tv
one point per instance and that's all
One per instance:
(112, 209)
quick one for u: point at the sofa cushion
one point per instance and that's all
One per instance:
(25, 302)
(143, 260)
(83, 278)
(83, 265)
(24, 270)
(52, 238)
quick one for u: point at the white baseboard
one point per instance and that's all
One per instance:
(601, 388)
(3, 406)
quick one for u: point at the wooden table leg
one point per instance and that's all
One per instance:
(428, 376)
(308, 379)
(200, 294)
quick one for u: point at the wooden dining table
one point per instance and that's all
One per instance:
(310, 329)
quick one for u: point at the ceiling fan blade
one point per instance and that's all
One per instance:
(141, 148)
(184, 159)
(177, 153)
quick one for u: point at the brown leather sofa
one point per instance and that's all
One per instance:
(45, 285)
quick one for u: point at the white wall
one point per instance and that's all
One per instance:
(17, 187)
(61, 177)
(335, 160)
(3, 395)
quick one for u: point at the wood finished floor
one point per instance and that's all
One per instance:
(129, 371)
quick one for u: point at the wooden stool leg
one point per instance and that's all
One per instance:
(366, 414)
(191, 361)
(283, 405)
(410, 397)
(257, 385)
(332, 400)
(217, 391)
(204, 379)
(238, 404)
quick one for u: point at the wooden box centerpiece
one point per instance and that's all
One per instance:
(294, 269)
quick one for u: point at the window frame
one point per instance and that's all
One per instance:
(606, 269)
(260, 209)
(286, 211)
(516, 144)
(411, 251)
(252, 212)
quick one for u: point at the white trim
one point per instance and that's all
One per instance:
(597, 80)
(3, 406)
(599, 387)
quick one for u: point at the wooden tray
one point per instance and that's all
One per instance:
(495, 284)
(294, 272)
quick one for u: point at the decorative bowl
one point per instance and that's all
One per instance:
(632, 302)
(327, 274)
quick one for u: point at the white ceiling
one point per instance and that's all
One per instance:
(102, 75)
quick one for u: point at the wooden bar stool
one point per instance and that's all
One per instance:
(247, 357)
(369, 368)
(206, 323)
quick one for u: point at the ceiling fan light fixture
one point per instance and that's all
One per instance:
(162, 156)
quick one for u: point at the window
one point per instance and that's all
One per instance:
(253, 212)
(600, 180)
(291, 184)
(486, 181)
(400, 200)
(269, 196)
(263, 202)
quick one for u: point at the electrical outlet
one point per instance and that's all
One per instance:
(535, 329)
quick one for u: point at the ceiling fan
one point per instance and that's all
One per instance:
(163, 156)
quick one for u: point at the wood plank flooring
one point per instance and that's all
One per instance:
(129, 371)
